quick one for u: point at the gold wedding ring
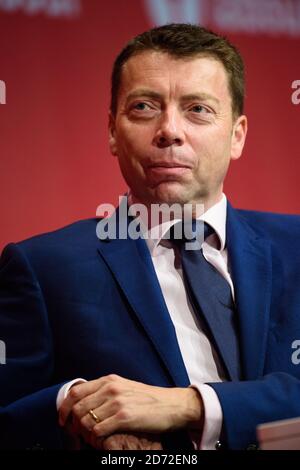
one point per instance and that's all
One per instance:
(94, 416)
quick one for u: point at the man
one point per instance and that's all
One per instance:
(121, 342)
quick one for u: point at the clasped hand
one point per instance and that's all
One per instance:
(126, 406)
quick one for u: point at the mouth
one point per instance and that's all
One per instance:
(168, 168)
(167, 171)
(167, 165)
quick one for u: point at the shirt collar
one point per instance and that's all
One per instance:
(215, 216)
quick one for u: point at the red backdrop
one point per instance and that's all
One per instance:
(55, 60)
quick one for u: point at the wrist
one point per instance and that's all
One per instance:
(195, 409)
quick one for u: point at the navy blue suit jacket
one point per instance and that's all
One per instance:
(74, 306)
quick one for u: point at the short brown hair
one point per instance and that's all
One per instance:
(182, 40)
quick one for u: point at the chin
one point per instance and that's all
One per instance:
(170, 194)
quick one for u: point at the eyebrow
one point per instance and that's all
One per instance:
(200, 97)
(144, 92)
(159, 96)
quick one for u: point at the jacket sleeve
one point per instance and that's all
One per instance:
(249, 403)
(28, 415)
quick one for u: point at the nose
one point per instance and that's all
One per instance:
(170, 130)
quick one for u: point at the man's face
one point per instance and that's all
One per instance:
(173, 132)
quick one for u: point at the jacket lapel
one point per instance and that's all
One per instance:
(249, 256)
(131, 265)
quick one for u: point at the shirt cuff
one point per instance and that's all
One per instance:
(64, 390)
(213, 418)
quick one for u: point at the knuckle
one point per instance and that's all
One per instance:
(113, 390)
(74, 392)
(111, 440)
(97, 430)
(117, 404)
(122, 415)
(112, 377)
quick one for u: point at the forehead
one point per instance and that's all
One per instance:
(163, 73)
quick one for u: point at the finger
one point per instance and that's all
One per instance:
(64, 411)
(77, 393)
(144, 444)
(83, 407)
(128, 442)
(156, 446)
(135, 442)
(115, 442)
(87, 436)
(112, 406)
(92, 395)
(96, 442)
(106, 390)
(150, 444)
(111, 425)
(138, 442)
(77, 428)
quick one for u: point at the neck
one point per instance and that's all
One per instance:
(158, 212)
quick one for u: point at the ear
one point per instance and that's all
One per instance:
(112, 135)
(239, 133)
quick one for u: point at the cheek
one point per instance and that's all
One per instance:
(217, 146)
(132, 144)
(213, 155)
(130, 156)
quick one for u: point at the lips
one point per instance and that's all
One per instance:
(161, 171)
(165, 164)
(168, 170)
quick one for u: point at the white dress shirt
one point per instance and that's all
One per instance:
(198, 354)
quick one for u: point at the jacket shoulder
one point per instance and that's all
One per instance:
(77, 236)
(273, 225)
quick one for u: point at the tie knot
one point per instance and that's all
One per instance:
(189, 231)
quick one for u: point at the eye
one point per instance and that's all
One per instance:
(141, 106)
(142, 110)
(199, 109)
